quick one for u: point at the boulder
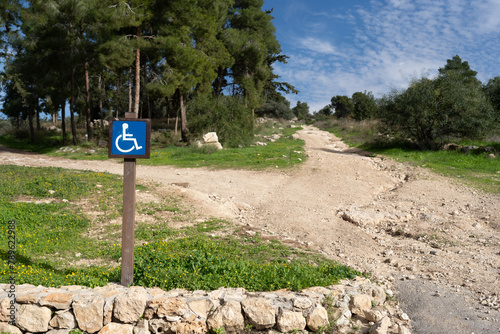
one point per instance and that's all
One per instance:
(130, 306)
(210, 138)
(159, 326)
(259, 312)
(57, 300)
(63, 320)
(378, 294)
(166, 306)
(88, 310)
(142, 327)
(381, 327)
(201, 307)
(59, 331)
(191, 327)
(302, 303)
(114, 328)
(288, 321)
(359, 303)
(317, 319)
(6, 328)
(227, 316)
(5, 312)
(33, 318)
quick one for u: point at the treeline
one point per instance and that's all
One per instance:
(208, 62)
(453, 105)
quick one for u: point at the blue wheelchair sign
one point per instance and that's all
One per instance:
(129, 138)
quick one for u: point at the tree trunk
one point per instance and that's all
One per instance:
(137, 73)
(149, 108)
(130, 90)
(184, 125)
(63, 124)
(218, 83)
(30, 121)
(87, 90)
(71, 111)
(38, 126)
(176, 124)
(100, 101)
(54, 118)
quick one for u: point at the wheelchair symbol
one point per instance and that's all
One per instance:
(126, 137)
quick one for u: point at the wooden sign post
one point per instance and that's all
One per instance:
(129, 139)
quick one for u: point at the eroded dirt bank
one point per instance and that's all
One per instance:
(437, 241)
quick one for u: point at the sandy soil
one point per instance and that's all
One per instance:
(437, 241)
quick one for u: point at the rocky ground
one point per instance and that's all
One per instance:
(436, 242)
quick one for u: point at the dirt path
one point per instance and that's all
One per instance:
(436, 241)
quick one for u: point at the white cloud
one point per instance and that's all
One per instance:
(317, 45)
(488, 16)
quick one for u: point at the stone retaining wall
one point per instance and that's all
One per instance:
(114, 309)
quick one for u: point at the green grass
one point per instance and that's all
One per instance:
(473, 169)
(57, 243)
(283, 153)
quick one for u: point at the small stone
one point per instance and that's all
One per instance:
(129, 307)
(288, 321)
(115, 328)
(6, 328)
(381, 327)
(227, 316)
(317, 319)
(33, 318)
(359, 303)
(259, 312)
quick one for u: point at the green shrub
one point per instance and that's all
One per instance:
(227, 116)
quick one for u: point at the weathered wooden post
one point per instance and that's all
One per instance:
(129, 139)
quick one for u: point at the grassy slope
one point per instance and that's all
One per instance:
(473, 169)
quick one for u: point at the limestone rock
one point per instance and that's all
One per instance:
(359, 303)
(227, 316)
(317, 319)
(373, 315)
(167, 306)
(159, 326)
(381, 327)
(302, 303)
(288, 321)
(210, 137)
(114, 328)
(59, 331)
(57, 300)
(63, 320)
(108, 311)
(33, 318)
(142, 327)
(259, 312)
(201, 307)
(6, 328)
(88, 312)
(403, 330)
(129, 307)
(28, 298)
(4, 309)
(194, 327)
(378, 295)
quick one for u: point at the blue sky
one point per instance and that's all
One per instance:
(339, 47)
